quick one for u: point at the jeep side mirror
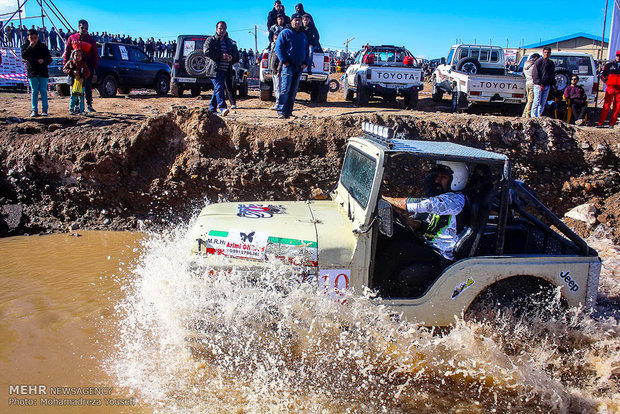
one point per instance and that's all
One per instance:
(386, 218)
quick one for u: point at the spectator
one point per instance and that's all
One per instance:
(276, 68)
(8, 35)
(292, 50)
(21, 34)
(251, 56)
(543, 76)
(313, 38)
(611, 77)
(38, 57)
(1, 34)
(273, 14)
(299, 9)
(223, 52)
(576, 96)
(53, 38)
(77, 69)
(276, 28)
(62, 39)
(82, 40)
(244, 59)
(528, 67)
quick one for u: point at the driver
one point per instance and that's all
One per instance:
(445, 206)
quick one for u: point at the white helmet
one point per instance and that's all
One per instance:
(460, 174)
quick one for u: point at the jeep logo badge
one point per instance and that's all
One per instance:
(572, 285)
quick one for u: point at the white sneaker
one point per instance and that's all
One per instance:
(33, 114)
(225, 111)
(233, 106)
(43, 113)
(273, 108)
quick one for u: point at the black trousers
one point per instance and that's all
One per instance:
(579, 110)
(230, 89)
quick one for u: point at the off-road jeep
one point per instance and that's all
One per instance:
(511, 245)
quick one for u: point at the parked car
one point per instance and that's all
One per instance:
(511, 246)
(568, 64)
(189, 69)
(121, 68)
(477, 73)
(386, 71)
(315, 83)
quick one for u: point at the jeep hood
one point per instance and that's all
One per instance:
(312, 233)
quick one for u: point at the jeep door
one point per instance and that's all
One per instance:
(143, 71)
(124, 65)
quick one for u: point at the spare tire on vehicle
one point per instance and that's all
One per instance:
(334, 85)
(196, 64)
(468, 65)
(562, 79)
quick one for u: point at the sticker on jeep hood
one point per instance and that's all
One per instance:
(292, 251)
(461, 288)
(259, 210)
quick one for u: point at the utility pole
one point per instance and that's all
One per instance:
(19, 10)
(255, 38)
(600, 56)
(346, 45)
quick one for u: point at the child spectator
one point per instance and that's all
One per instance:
(78, 70)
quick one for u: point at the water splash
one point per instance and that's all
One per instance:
(190, 341)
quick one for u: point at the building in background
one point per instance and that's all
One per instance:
(577, 42)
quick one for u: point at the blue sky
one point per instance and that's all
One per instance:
(428, 28)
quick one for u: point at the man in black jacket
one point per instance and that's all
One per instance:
(273, 14)
(223, 53)
(543, 76)
(38, 57)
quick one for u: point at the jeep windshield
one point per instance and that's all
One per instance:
(358, 173)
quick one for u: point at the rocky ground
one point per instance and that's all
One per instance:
(143, 160)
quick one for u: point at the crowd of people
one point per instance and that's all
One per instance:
(292, 42)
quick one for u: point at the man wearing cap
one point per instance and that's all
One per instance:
(445, 205)
(292, 50)
(611, 77)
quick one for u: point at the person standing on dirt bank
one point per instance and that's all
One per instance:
(38, 58)
(278, 8)
(222, 50)
(276, 69)
(83, 41)
(529, 84)
(292, 50)
(611, 77)
(543, 76)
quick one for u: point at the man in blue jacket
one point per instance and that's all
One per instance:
(292, 50)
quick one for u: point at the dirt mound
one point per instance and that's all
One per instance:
(120, 172)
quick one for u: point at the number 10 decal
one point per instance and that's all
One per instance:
(335, 283)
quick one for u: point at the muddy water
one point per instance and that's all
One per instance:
(56, 307)
(179, 339)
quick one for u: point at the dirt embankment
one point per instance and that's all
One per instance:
(119, 172)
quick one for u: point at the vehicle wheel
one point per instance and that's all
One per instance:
(334, 85)
(437, 94)
(62, 89)
(411, 101)
(123, 91)
(242, 90)
(176, 90)
(162, 84)
(348, 93)
(562, 80)
(194, 92)
(266, 94)
(196, 64)
(318, 93)
(107, 88)
(468, 65)
(363, 96)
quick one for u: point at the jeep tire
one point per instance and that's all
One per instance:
(469, 65)
(411, 100)
(176, 90)
(194, 91)
(123, 91)
(363, 95)
(242, 90)
(266, 91)
(349, 95)
(318, 93)
(196, 64)
(162, 84)
(437, 93)
(108, 86)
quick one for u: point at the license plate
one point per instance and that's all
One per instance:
(59, 79)
(303, 77)
(186, 80)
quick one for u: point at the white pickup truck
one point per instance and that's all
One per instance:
(386, 71)
(315, 83)
(477, 73)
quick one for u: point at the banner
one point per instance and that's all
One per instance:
(8, 7)
(614, 31)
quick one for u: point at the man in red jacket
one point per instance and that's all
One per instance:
(82, 40)
(611, 76)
